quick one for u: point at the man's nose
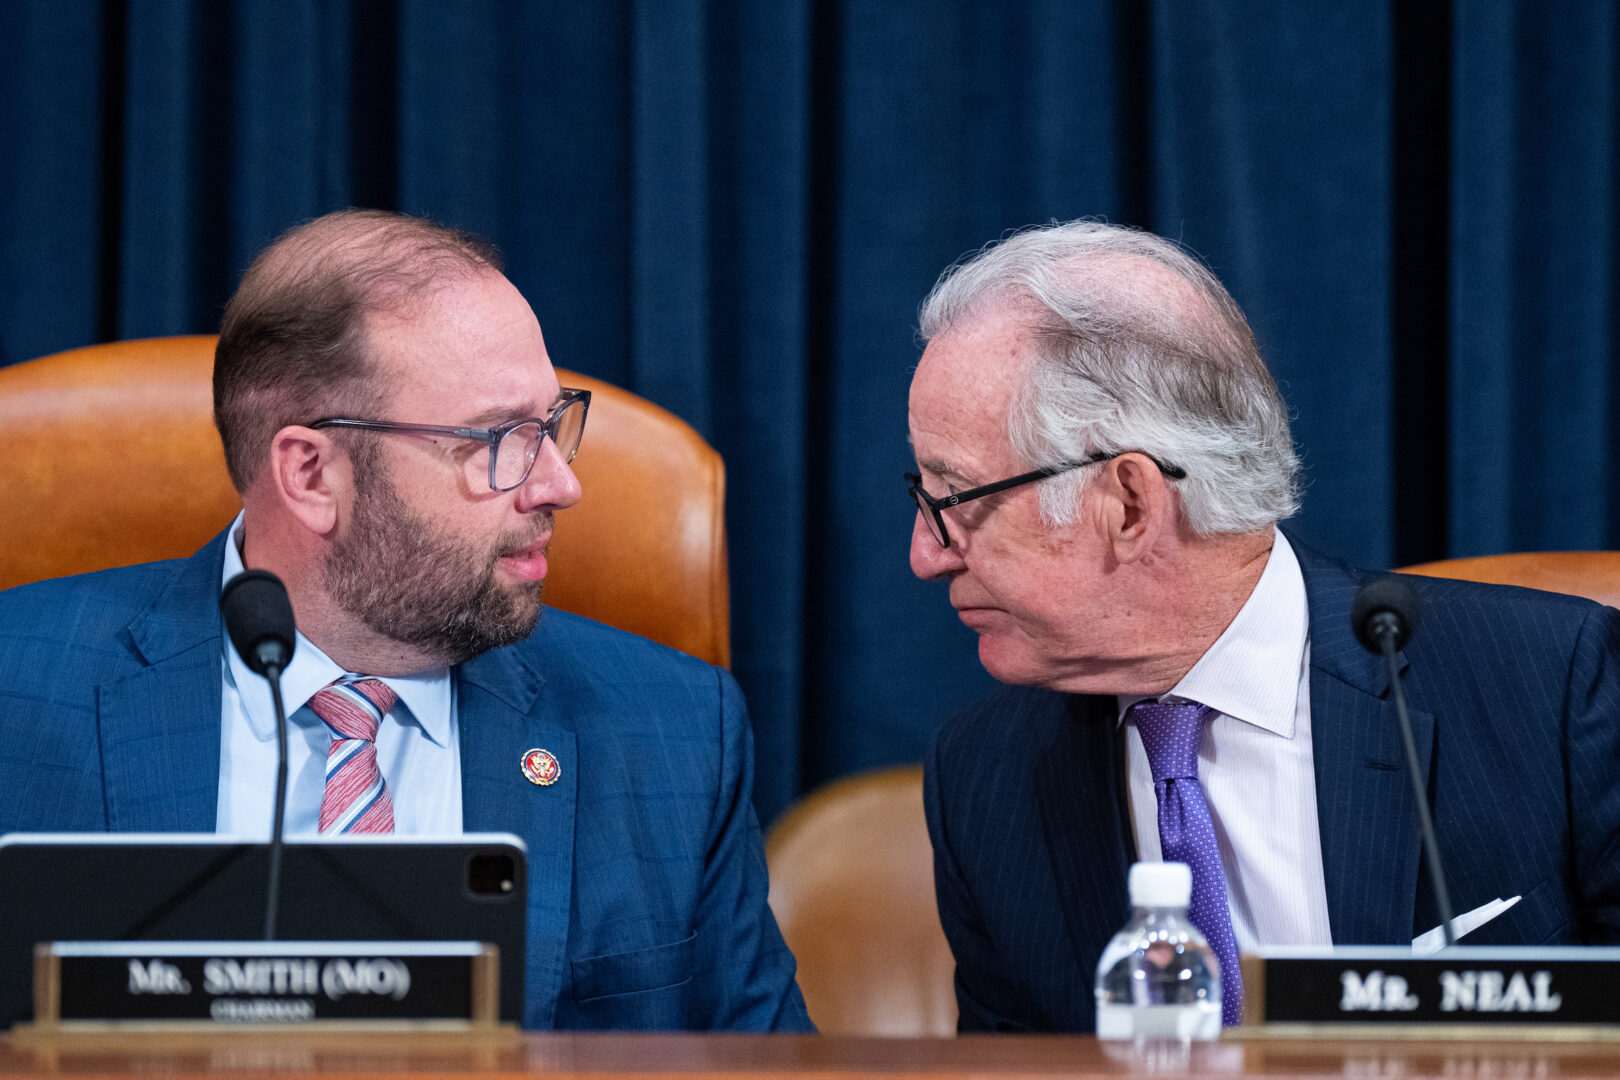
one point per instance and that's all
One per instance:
(551, 484)
(929, 560)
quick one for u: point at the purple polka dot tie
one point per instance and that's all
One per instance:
(1170, 735)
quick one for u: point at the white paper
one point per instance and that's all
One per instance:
(1435, 940)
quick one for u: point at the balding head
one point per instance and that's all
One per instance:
(292, 345)
(1137, 347)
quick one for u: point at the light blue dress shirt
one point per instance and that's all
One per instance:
(418, 748)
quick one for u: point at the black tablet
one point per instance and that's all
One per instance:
(204, 887)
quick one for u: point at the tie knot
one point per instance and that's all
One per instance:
(1171, 732)
(354, 706)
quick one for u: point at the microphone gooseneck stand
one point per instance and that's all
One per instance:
(1383, 616)
(1431, 845)
(272, 900)
(259, 619)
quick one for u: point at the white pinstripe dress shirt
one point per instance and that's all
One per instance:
(1255, 764)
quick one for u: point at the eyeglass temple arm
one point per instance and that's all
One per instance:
(482, 434)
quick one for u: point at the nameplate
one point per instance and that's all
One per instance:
(1463, 985)
(281, 983)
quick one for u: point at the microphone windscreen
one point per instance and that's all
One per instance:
(1385, 596)
(257, 614)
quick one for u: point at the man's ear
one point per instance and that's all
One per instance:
(1138, 504)
(312, 478)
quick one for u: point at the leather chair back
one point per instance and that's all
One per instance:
(852, 887)
(1592, 574)
(111, 458)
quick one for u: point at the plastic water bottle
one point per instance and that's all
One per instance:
(1158, 978)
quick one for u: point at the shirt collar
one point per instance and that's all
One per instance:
(426, 695)
(1252, 672)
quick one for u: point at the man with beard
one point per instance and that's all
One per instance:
(394, 426)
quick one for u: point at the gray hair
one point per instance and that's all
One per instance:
(1123, 361)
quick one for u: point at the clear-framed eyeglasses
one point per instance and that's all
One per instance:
(513, 446)
(933, 510)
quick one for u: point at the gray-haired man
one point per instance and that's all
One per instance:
(1103, 460)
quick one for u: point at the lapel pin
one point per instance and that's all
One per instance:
(541, 767)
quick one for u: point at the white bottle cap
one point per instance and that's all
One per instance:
(1160, 884)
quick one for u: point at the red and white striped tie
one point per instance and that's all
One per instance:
(356, 798)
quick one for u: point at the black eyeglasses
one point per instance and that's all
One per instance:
(933, 509)
(519, 439)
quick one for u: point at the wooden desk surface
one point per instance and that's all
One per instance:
(737, 1056)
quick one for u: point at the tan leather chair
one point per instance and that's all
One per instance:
(1592, 574)
(111, 458)
(852, 886)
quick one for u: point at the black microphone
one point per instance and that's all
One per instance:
(1385, 606)
(1383, 616)
(259, 619)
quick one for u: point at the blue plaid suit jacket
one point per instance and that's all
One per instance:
(1515, 702)
(647, 880)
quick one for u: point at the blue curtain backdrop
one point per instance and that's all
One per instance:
(734, 206)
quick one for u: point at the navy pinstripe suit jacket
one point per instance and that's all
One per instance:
(1515, 700)
(647, 877)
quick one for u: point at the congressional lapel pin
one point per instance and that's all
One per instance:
(541, 767)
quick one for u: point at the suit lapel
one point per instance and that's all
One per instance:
(160, 727)
(502, 715)
(1366, 811)
(1087, 835)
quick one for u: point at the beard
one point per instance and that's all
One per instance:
(417, 584)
